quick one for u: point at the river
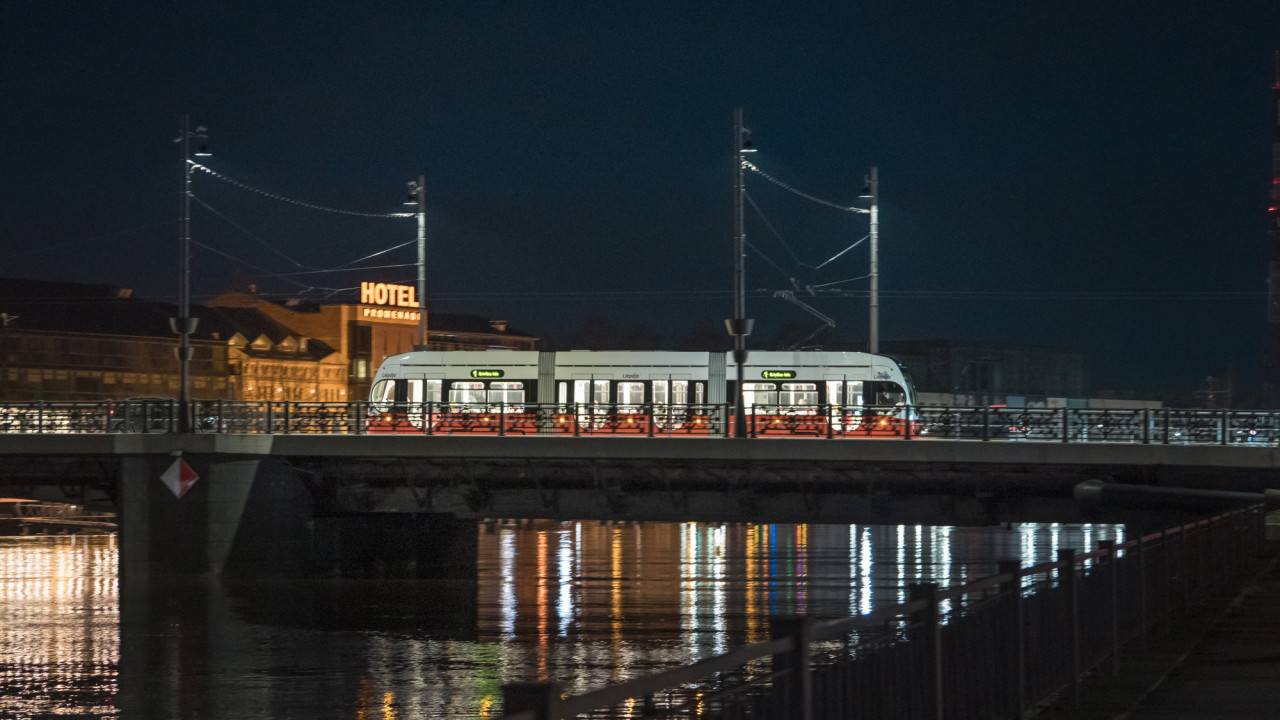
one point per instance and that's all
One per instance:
(580, 603)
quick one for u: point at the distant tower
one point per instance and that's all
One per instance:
(1271, 369)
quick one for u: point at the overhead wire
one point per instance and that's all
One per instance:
(772, 229)
(846, 208)
(247, 232)
(300, 203)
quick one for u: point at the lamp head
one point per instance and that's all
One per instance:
(748, 146)
(202, 150)
(867, 189)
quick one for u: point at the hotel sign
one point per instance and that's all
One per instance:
(388, 298)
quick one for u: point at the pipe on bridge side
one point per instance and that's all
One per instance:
(1095, 493)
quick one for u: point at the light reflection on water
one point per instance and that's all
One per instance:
(581, 603)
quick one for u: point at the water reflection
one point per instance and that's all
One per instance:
(59, 624)
(581, 603)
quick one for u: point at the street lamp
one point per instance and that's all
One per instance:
(739, 326)
(871, 189)
(184, 325)
(418, 196)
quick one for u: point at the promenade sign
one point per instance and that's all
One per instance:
(387, 301)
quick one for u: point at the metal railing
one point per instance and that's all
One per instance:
(993, 648)
(1065, 425)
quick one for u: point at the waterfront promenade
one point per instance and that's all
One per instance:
(1228, 667)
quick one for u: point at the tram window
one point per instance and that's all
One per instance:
(853, 390)
(508, 394)
(469, 395)
(759, 394)
(562, 393)
(382, 395)
(799, 394)
(675, 392)
(885, 394)
(584, 392)
(631, 393)
(699, 394)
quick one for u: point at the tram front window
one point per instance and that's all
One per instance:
(382, 396)
(885, 394)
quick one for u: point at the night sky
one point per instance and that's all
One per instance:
(1084, 175)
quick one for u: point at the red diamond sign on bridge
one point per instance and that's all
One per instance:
(179, 477)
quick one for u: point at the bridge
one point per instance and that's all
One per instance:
(307, 489)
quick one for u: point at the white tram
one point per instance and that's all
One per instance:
(638, 392)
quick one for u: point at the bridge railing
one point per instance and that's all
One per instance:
(994, 648)
(1066, 425)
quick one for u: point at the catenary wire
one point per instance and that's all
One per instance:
(247, 232)
(847, 208)
(281, 198)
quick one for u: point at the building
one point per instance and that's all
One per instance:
(385, 323)
(79, 342)
(71, 341)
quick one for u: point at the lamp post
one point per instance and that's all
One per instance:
(871, 189)
(739, 326)
(184, 325)
(418, 196)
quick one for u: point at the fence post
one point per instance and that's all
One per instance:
(986, 423)
(502, 418)
(288, 417)
(1113, 599)
(1144, 612)
(1013, 589)
(1222, 432)
(1166, 426)
(1066, 424)
(906, 426)
(931, 627)
(543, 699)
(1067, 574)
(1146, 426)
(1186, 566)
(793, 667)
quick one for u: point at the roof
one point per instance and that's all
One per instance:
(99, 310)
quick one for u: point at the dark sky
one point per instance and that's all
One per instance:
(1089, 175)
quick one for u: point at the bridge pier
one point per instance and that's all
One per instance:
(254, 516)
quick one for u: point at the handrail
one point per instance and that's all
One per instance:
(1058, 425)
(1092, 577)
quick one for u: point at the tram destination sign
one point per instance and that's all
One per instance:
(778, 374)
(486, 373)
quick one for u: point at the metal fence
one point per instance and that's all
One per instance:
(1066, 425)
(994, 648)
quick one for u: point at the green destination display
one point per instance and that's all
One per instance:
(778, 374)
(486, 373)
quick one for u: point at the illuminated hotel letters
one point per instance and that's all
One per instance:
(385, 294)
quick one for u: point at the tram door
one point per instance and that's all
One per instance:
(590, 401)
(846, 402)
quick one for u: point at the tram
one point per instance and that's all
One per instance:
(583, 392)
